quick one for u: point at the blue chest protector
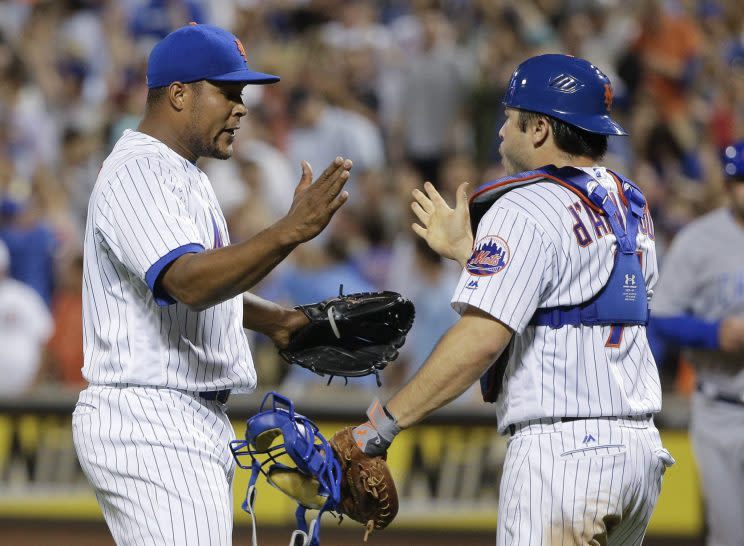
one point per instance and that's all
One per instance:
(622, 301)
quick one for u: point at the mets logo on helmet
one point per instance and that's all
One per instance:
(608, 96)
(490, 255)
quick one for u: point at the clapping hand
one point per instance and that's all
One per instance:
(447, 231)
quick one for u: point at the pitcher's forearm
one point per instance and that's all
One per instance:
(201, 280)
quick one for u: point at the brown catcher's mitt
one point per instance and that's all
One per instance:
(368, 492)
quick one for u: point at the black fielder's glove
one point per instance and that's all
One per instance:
(351, 335)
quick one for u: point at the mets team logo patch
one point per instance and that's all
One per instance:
(490, 255)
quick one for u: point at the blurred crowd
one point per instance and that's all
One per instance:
(409, 89)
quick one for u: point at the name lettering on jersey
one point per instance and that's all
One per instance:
(600, 223)
(646, 225)
(491, 255)
(618, 206)
(730, 289)
(616, 336)
(583, 215)
(472, 285)
(582, 234)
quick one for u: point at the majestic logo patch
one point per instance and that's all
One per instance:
(472, 285)
(490, 255)
(588, 439)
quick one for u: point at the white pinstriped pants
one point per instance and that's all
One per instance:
(159, 462)
(587, 482)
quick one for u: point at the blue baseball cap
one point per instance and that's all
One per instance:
(201, 52)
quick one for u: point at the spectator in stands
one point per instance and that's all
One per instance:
(320, 132)
(65, 348)
(668, 48)
(31, 244)
(432, 95)
(25, 327)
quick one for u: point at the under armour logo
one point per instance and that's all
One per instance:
(588, 439)
(472, 285)
(630, 280)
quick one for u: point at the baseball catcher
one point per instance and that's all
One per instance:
(351, 335)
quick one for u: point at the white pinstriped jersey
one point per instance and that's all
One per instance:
(548, 249)
(148, 207)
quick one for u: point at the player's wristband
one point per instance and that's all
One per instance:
(375, 436)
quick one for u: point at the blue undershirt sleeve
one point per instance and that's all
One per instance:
(686, 331)
(152, 277)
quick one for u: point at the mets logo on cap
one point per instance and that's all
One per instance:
(490, 255)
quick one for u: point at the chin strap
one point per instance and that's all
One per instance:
(250, 500)
(304, 535)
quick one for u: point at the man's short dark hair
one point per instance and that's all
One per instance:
(156, 94)
(568, 138)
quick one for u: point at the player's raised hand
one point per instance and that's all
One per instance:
(447, 231)
(315, 203)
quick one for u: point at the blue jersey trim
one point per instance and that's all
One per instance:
(686, 331)
(152, 276)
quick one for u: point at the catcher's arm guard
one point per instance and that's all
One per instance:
(351, 335)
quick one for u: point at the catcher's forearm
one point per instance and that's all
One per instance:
(459, 359)
(201, 280)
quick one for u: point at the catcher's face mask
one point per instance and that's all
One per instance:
(289, 450)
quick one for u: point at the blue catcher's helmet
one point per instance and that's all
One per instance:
(733, 160)
(567, 88)
(301, 465)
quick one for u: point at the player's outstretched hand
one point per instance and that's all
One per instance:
(447, 231)
(315, 203)
(731, 334)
